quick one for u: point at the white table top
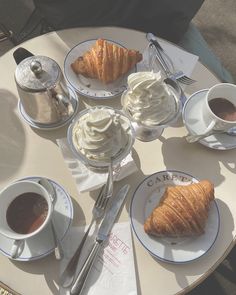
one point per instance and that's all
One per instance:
(24, 152)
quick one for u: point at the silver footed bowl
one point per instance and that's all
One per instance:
(101, 159)
(148, 132)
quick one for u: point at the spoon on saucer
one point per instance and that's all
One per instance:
(51, 190)
(194, 138)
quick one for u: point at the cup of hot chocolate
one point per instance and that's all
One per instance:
(25, 210)
(219, 108)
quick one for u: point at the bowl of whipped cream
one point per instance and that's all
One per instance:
(150, 103)
(100, 135)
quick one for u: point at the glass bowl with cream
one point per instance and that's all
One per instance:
(150, 103)
(100, 135)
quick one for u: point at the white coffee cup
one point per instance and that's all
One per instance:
(10, 194)
(212, 120)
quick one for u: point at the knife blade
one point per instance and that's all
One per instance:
(102, 235)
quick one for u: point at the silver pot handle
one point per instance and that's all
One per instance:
(64, 103)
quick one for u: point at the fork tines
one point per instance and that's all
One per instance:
(186, 80)
(100, 199)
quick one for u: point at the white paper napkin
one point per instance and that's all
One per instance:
(87, 180)
(182, 60)
(113, 271)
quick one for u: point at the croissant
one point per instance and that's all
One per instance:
(182, 211)
(106, 61)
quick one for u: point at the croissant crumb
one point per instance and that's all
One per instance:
(106, 61)
(182, 211)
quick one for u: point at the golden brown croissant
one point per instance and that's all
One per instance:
(182, 211)
(106, 61)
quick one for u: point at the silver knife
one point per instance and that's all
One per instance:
(102, 235)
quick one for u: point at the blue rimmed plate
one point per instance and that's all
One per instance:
(172, 250)
(43, 244)
(92, 88)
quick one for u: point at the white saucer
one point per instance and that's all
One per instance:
(192, 118)
(43, 244)
(27, 119)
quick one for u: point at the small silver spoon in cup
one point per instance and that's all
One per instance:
(51, 190)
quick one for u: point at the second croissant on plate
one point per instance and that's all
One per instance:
(106, 61)
(182, 211)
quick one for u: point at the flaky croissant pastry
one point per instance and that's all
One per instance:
(182, 211)
(106, 61)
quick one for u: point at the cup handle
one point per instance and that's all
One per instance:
(17, 248)
(210, 127)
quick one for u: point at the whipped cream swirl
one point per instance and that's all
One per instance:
(148, 99)
(101, 134)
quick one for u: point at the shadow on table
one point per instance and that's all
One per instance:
(12, 135)
(202, 163)
(48, 266)
(197, 160)
(221, 281)
(136, 268)
(197, 267)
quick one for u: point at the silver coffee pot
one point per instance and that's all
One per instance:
(42, 88)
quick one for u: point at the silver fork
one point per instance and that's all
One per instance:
(98, 211)
(179, 76)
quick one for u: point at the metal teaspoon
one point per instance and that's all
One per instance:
(51, 190)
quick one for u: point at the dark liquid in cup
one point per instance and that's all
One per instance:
(27, 212)
(223, 109)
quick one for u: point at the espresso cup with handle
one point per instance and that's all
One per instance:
(219, 108)
(25, 210)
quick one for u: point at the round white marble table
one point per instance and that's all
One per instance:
(25, 151)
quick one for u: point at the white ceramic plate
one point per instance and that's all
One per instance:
(92, 88)
(27, 119)
(43, 244)
(172, 250)
(193, 120)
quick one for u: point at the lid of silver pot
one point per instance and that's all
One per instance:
(37, 73)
